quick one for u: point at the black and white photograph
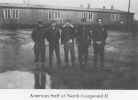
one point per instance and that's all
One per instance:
(69, 44)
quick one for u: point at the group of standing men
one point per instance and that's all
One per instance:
(82, 35)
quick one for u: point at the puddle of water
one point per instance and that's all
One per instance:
(4, 38)
(16, 79)
(24, 31)
(28, 45)
(21, 80)
(111, 49)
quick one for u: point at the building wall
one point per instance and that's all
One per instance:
(9, 16)
(105, 16)
(26, 16)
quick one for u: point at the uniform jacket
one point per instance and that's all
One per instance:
(53, 35)
(67, 33)
(38, 35)
(83, 36)
(99, 34)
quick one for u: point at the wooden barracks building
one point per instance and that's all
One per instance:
(26, 14)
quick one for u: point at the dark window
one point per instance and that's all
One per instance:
(52, 15)
(49, 15)
(13, 13)
(17, 13)
(5, 13)
(9, 14)
(2, 14)
(92, 15)
(84, 15)
(89, 15)
(58, 14)
(113, 17)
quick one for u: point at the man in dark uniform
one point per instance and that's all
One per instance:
(83, 41)
(38, 36)
(67, 39)
(53, 37)
(99, 37)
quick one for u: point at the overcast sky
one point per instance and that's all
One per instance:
(118, 4)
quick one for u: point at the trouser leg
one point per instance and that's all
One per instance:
(80, 54)
(57, 51)
(102, 57)
(95, 56)
(43, 80)
(43, 53)
(36, 52)
(95, 59)
(37, 83)
(51, 49)
(86, 55)
(72, 52)
(66, 51)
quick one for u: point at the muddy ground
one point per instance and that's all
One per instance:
(18, 70)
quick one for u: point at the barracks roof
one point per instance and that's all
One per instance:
(32, 6)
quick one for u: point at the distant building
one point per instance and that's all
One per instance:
(23, 14)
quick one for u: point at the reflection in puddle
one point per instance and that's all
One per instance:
(11, 48)
(28, 45)
(112, 49)
(24, 80)
(16, 79)
(3, 38)
(42, 80)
